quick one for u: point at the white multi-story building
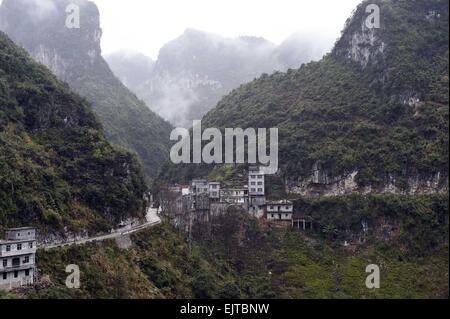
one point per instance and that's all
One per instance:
(17, 258)
(256, 182)
(199, 186)
(280, 210)
(214, 190)
(256, 188)
(237, 196)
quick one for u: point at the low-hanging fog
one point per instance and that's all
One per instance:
(196, 69)
(181, 57)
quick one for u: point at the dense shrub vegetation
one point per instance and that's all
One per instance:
(76, 59)
(56, 168)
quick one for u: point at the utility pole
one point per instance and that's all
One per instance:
(190, 232)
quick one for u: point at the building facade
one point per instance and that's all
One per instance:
(257, 194)
(199, 186)
(17, 258)
(235, 196)
(214, 191)
(280, 210)
(256, 182)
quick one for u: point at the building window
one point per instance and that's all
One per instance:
(27, 272)
(260, 190)
(26, 260)
(8, 247)
(16, 274)
(5, 276)
(5, 263)
(260, 177)
(273, 215)
(31, 245)
(19, 246)
(260, 183)
(16, 262)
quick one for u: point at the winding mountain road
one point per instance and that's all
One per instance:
(152, 219)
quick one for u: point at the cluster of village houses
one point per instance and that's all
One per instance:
(204, 199)
(197, 202)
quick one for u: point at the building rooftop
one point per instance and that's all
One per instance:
(20, 228)
(300, 215)
(13, 241)
(280, 202)
(199, 181)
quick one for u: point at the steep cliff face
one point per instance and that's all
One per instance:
(74, 56)
(40, 27)
(408, 42)
(361, 41)
(372, 116)
(57, 171)
(320, 183)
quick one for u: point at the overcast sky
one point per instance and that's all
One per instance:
(146, 25)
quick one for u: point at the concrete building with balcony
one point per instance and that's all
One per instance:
(279, 210)
(214, 191)
(234, 196)
(256, 190)
(17, 258)
(256, 183)
(199, 186)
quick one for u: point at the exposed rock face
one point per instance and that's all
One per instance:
(320, 183)
(367, 45)
(363, 46)
(52, 60)
(42, 31)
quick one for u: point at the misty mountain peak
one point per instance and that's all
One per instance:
(47, 17)
(197, 68)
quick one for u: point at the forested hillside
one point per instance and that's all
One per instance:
(373, 113)
(57, 171)
(74, 56)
